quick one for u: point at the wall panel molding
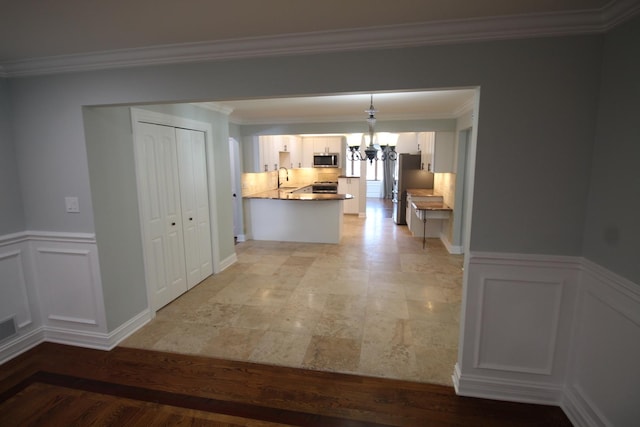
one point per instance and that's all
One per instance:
(588, 321)
(495, 306)
(15, 298)
(68, 282)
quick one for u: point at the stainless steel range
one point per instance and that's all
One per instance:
(324, 187)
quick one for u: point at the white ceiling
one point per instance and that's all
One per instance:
(351, 107)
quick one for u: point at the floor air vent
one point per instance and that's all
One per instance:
(7, 328)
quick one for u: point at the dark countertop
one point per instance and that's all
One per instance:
(430, 206)
(288, 195)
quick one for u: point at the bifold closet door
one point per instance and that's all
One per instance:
(161, 212)
(194, 197)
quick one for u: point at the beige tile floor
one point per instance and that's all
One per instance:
(376, 304)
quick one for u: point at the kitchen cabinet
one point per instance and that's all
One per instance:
(437, 151)
(295, 148)
(277, 151)
(408, 143)
(269, 160)
(326, 144)
(350, 186)
(307, 153)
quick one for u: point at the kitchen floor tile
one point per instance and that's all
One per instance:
(375, 304)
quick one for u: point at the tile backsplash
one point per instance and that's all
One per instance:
(253, 183)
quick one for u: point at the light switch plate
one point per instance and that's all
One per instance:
(71, 204)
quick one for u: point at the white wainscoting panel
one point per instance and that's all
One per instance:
(15, 300)
(18, 297)
(522, 314)
(69, 285)
(516, 328)
(603, 386)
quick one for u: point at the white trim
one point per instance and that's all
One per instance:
(123, 331)
(20, 344)
(213, 106)
(47, 236)
(565, 379)
(579, 408)
(95, 340)
(452, 249)
(13, 238)
(546, 369)
(230, 260)
(513, 390)
(592, 21)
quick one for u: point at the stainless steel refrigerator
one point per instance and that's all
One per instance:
(408, 175)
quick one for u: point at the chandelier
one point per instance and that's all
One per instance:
(371, 152)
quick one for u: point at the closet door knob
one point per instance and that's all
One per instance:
(190, 219)
(173, 223)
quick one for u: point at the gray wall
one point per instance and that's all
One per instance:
(612, 231)
(117, 221)
(537, 116)
(537, 109)
(11, 212)
(111, 161)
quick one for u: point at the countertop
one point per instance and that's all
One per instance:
(288, 195)
(430, 206)
(421, 192)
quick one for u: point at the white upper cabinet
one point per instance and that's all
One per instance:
(437, 151)
(327, 144)
(279, 151)
(408, 143)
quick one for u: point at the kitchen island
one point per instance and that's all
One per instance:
(287, 216)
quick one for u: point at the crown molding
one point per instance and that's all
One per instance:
(213, 106)
(591, 21)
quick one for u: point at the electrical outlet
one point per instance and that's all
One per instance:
(71, 204)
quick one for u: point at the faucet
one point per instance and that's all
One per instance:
(282, 167)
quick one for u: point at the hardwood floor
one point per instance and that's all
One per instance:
(54, 384)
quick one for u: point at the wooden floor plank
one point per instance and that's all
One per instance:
(263, 393)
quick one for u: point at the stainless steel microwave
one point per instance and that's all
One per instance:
(326, 160)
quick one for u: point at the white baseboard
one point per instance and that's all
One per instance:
(506, 389)
(579, 410)
(97, 340)
(128, 328)
(15, 347)
(228, 262)
(452, 249)
(241, 238)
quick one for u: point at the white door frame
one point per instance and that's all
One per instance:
(234, 154)
(139, 115)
